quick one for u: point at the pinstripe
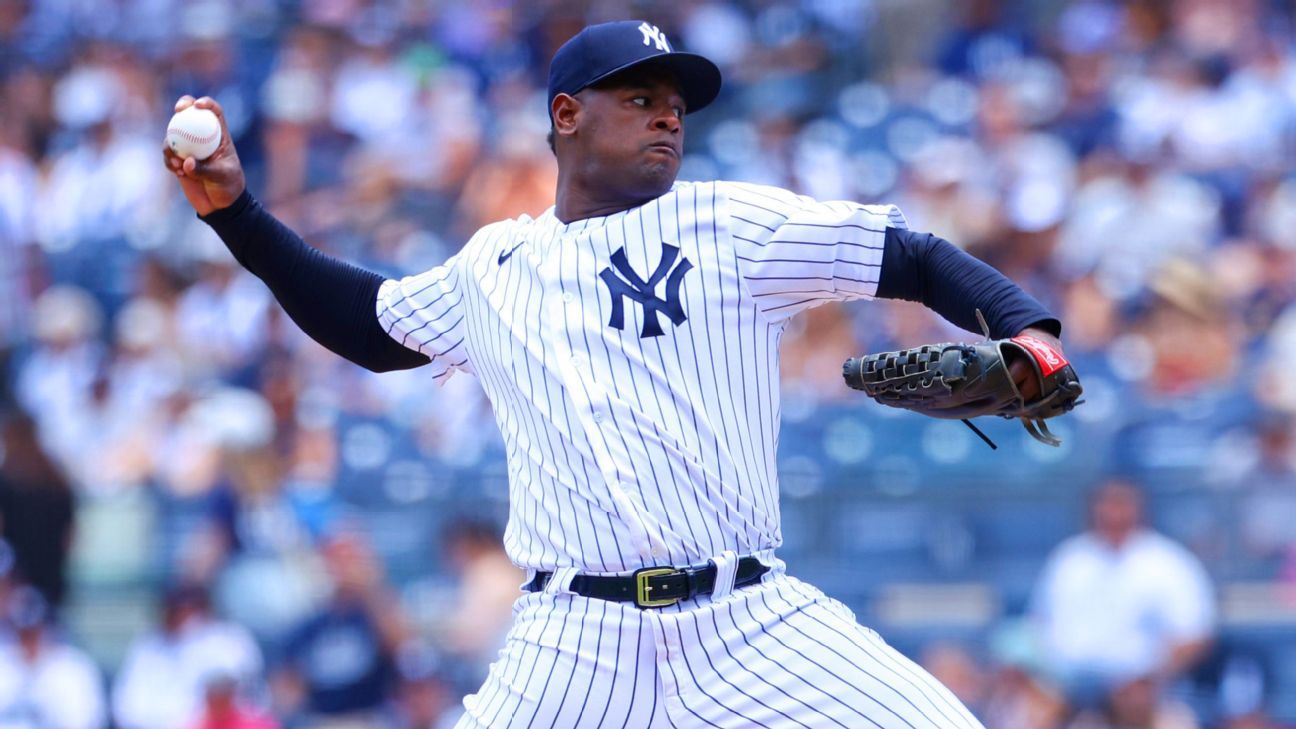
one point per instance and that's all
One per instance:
(849, 633)
(634, 685)
(662, 437)
(589, 689)
(537, 431)
(767, 363)
(807, 709)
(803, 261)
(720, 456)
(817, 664)
(752, 222)
(663, 512)
(503, 687)
(702, 689)
(914, 676)
(781, 216)
(756, 459)
(494, 381)
(553, 666)
(830, 650)
(822, 244)
(611, 366)
(652, 713)
(799, 302)
(777, 667)
(786, 198)
(585, 474)
(449, 308)
(616, 672)
(716, 502)
(724, 679)
(724, 340)
(715, 545)
(521, 440)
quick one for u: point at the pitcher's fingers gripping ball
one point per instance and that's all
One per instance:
(970, 380)
(194, 132)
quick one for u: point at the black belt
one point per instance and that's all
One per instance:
(652, 587)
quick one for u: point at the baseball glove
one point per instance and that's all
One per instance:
(970, 380)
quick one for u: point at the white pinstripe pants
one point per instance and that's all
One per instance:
(776, 654)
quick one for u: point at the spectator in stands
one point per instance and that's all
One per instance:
(960, 672)
(488, 587)
(171, 676)
(255, 544)
(37, 509)
(45, 681)
(1138, 703)
(55, 379)
(1192, 336)
(223, 710)
(1121, 609)
(425, 698)
(339, 666)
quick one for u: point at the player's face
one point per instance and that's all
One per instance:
(632, 133)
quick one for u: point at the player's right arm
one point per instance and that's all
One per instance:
(334, 302)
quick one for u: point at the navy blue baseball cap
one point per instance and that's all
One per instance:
(606, 49)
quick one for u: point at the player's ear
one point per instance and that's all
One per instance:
(565, 110)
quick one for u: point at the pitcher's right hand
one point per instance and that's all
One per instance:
(215, 182)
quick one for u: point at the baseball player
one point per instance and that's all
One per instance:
(628, 341)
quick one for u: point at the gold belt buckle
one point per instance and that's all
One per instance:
(642, 588)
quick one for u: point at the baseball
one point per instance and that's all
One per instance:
(194, 132)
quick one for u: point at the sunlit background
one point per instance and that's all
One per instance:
(205, 512)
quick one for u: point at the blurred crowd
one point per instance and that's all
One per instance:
(1130, 163)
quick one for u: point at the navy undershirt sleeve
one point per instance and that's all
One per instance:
(332, 301)
(924, 268)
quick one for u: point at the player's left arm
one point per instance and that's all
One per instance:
(930, 270)
(795, 252)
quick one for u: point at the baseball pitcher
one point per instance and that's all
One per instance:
(628, 341)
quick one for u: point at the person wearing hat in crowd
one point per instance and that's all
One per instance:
(45, 681)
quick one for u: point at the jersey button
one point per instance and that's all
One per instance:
(578, 361)
(598, 416)
(569, 297)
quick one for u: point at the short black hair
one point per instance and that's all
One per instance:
(550, 139)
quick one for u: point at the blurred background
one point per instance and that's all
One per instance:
(210, 521)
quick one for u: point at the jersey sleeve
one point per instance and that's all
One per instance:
(795, 252)
(425, 313)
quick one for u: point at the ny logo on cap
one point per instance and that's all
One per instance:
(654, 34)
(644, 292)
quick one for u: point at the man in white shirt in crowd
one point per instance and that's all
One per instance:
(163, 681)
(45, 681)
(1121, 603)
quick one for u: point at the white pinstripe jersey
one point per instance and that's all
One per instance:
(628, 447)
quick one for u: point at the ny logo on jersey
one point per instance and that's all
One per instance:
(630, 285)
(653, 33)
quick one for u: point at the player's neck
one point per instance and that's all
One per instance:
(575, 201)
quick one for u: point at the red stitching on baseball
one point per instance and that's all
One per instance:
(194, 138)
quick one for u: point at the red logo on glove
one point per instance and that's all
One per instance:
(1050, 360)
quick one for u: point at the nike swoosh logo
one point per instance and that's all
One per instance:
(505, 255)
